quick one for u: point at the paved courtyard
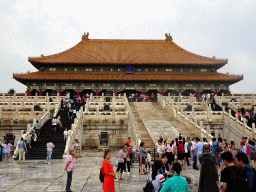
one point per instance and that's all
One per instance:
(36, 175)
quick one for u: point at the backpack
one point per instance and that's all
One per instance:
(101, 176)
(149, 187)
(181, 147)
(253, 171)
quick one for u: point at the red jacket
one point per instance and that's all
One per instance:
(109, 183)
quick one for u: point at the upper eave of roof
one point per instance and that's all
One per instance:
(113, 51)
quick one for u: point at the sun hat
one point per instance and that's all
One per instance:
(168, 141)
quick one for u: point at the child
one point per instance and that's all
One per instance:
(121, 156)
(65, 133)
(148, 160)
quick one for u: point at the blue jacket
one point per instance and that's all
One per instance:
(250, 175)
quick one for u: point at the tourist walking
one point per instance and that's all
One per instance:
(142, 153)
(242, 162)
(129, 143)
(7, 152)
(58, 121)
(187, 147)
(157, 179)
(176, 182)
(160, 149)
(77, 148)
(148, 161)
(54, 124)
(127, 159)
(251, 144)
(65, 133)
(70, 114)
(50, 147)
(181, 151)
(108, 172)
(208, 172)
(120, 167)
(22, 150)
(37, 130)
(232, 176)
(74, 113)
(199, 147)
(170, 151)
(33, 140)
(69, 168)
(234, 153)
(62, 104)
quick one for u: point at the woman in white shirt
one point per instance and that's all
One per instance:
(155, 177)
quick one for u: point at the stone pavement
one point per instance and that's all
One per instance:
(38, 176)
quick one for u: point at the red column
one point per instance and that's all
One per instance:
(162, 92)
(78, 93)
(97, 92)
(40, 92)
(216, 92)
(28, 92)
(144, 92)
(115, 92)
(229, 93)
(59, 92)
(198, 95)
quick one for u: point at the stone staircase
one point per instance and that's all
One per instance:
(177, 125)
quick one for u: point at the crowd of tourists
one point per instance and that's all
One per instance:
(223, 166)
(135, 97)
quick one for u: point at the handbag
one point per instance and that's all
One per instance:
(128, 159)
(101, 176)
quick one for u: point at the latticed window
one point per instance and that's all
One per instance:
(88, 69)
(168, 70)
(203, 70)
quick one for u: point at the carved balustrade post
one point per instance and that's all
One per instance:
(253, 130)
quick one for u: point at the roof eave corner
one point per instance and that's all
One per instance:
(85, 36)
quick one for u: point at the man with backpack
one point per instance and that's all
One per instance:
(181, 151)
(232, 176)
(242, 161)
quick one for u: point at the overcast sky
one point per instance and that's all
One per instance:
(225, 29)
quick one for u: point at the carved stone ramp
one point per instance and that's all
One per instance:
(154, 122)
(145, 137)
(179, 126)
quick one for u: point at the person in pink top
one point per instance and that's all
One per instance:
(49, 146)
(70, 165)
(193, 142)
(248, 151)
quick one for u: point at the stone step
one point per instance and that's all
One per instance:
(180, 127)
